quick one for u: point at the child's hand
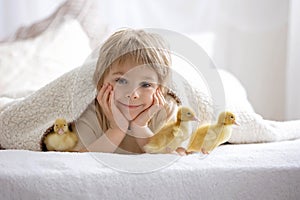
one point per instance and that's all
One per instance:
(116, 119)
(143, 118)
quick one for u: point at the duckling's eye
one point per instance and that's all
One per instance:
(231, 117)
(188, 113)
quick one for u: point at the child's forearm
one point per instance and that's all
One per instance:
(108, 142)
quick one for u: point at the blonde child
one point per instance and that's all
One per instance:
(132, 101)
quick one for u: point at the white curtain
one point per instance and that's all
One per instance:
(16, 13)
(255, 40)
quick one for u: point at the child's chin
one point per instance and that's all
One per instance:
(131, 116)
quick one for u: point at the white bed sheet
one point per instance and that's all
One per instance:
(247, 171)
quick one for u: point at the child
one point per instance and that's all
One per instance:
(132, 101)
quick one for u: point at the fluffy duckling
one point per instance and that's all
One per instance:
(170, 137)
(208, 137)
(61, 139)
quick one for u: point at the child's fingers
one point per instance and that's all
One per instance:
(158, 102)
(161, 98)
(155, 99)
(101, 92)
(155, 106)
(106, 95)
(111, 100)
(103, 98)
(115, 111)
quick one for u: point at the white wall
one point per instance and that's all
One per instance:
(251, 43)
(251, 38)
(293, 63)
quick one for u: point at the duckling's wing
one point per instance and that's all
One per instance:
(225, 134)
(176, 137)
(176, 131)
(197, 137)
(211, 138)
(211, 135)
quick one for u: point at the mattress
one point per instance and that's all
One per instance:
(244, 171)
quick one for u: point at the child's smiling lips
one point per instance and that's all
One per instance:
(130, 106)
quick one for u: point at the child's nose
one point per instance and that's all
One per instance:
(133, 95)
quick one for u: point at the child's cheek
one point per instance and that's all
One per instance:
(119, 94)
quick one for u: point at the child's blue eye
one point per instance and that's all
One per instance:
(121, 81)
(145, 84)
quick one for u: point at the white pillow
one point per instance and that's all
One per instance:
(193, 89)
(30, 64)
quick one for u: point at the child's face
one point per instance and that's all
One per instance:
(134, 86)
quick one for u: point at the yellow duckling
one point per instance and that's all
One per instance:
(61, 139)
(170, 137)
(208, 137)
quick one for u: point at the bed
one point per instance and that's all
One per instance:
(261, 160)
(248, 171)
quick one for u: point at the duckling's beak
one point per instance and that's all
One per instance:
(235, 123)
(196, 119)
(61, 131)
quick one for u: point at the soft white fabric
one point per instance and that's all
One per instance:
(32, 63)
(23, 123)
(248, 171)
(253, 128)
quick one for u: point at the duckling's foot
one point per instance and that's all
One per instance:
(181, 151)
(190, 152)
(204, 151)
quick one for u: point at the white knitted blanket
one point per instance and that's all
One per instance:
(23, 122)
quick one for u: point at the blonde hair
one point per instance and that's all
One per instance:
(141, 46)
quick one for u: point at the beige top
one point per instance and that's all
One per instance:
(88, 130)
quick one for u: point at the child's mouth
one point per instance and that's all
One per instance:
(130, 106)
